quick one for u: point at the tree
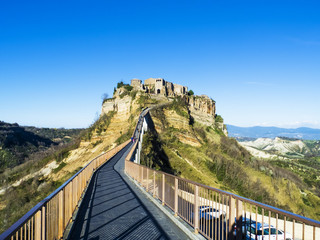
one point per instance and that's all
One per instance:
(104, 97)
(190, 93)
(219, 119)
(120, 84)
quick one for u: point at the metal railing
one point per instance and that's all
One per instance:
(137, 131)
(220, 215)
(50, 217)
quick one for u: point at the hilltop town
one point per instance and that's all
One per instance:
(201, 108)
(159, 86)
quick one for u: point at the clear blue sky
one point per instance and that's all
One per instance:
(260, 60)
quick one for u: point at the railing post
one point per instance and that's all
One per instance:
(163, 189)
(141, 175)
(231, 217)
(147, 185)
(154, 184)
(70, 205)
(176, 189)
(61, 213)
(196, 209)
(239, 219)
(37, 226)
(43, 222)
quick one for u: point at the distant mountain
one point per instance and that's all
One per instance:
(272, 132)
(18, 143)
(284, 147)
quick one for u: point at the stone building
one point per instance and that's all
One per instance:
(136, 83)
(159, 86)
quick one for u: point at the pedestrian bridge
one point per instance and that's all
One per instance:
(114, 197)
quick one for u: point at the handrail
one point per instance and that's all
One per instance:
(59, 206)
(183, 195)
(39, 205)
(259, 204)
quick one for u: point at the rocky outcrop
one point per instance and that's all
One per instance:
(202, 109)
(121, 105)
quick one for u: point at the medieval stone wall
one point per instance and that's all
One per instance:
(159, 86)
(136, 83)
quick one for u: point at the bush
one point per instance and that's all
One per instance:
(219, 119)
(190, 93)
(120, 84)
(126, 86)
(133, 94)
(61, 165)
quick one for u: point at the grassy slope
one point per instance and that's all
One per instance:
(220, 162)
(107, 132)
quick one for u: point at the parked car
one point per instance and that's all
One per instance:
(258, 228)
(246, 222)
(209, 213)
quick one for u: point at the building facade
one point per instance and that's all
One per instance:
(159, 86)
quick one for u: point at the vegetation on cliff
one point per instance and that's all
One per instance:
(176, 144)
(24, 151)
(204, 154)
(45, 172)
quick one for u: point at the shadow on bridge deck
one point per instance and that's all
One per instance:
(111, 210)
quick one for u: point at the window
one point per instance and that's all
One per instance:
(273, 231)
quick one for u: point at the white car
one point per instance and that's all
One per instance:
(253, 229)
(209, 213)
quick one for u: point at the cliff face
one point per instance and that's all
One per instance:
(119, 103)
(202, 109)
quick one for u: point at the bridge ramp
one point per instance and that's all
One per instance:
(112, 210)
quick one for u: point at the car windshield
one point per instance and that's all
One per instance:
(252, 230)
(273, 231)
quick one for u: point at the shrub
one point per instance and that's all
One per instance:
(128, 87)
(133, 94)
(120, 84)
(61, 165)
(219, 119)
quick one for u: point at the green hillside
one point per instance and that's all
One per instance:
(219, 161)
